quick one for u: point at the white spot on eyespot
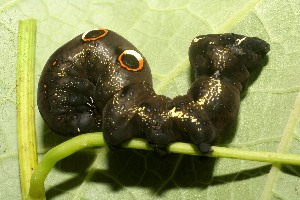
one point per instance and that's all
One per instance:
(134, 53)
(85, 33)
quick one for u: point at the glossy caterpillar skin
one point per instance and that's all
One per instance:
(100, 82)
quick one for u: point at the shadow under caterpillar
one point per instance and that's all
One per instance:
(99, 81)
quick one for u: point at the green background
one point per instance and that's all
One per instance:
(163, 30)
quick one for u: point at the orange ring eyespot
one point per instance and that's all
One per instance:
(98, 33)
(137, 56)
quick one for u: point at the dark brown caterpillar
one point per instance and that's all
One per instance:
(100, 81)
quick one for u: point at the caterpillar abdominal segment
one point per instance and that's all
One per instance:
(101, 82)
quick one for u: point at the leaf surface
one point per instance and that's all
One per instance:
(163, 30)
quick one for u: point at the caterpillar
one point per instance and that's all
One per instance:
(99, 81)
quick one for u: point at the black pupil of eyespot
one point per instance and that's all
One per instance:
(130, 61)
(94, 33)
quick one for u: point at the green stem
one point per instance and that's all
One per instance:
(25, 103)
(224, 152)
(37, 190)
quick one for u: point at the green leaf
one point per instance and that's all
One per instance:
(162, 30)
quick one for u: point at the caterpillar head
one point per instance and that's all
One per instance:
(229, 55)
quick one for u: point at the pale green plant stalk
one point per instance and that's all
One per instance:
(25, 103)
(37, 190)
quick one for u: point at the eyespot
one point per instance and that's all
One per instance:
(94, 34)
(131, 60)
